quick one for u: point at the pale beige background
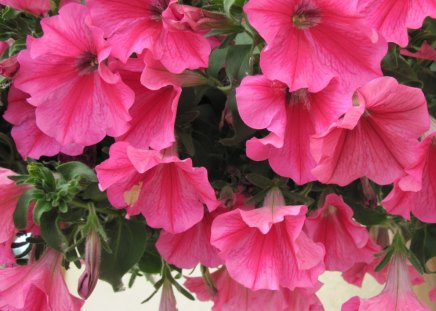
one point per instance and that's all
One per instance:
(334, 292)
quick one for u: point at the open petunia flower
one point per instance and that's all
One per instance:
(265, 248)
(156, 25)
(376, 138)
(310, 42)
(36, 7)
(415, 192)
(78, 99)
(169, 192)
(37, 286)
(292, 118)
(333, 226)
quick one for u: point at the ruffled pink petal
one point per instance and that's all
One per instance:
(37, 286)
(192, 247)
(402, 200)
(292, 118)
(310, 56)
(231, 295)
(76, 103)
(376, 139)
(259, 260)
(333, 226)
(392, 18)
(36, 7)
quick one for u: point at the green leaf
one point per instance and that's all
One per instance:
(368, 216)
(423, 243)
(259, 180)
(181, 289)
(228, 4)
(385, 260)
(21, 211)
(238, 62)
(150, 262)
(72, 170)
(51, 232)
(127, 240)
(217, 61)
(41, 207)
(157, 286)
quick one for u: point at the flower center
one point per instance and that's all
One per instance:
(87, 63)
(306, 16)
(157, 7)
(299, 97)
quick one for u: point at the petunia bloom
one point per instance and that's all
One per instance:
(132, 26)
(392, 18)
(397, 295)
(426, 51)
(169, 192)
(333, 226)
(310, 42)
(232, 296)
(292, 118)
(167, 300)
(251, 243)
(29, 139)
(78, 99)
(376, 138)
(37, 286)
(36, 7)
(191, 247)
(415, 193)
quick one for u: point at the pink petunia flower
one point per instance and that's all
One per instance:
(333, 226)
(191, 247)
(169, 192)
(29, 139)
(252, 245)
(396, 296)
(37, 286)
(415, 193)
(132, 26)
(168, 300)
(78, 99)
(292, 118)
(391, 18)
(376, 138)
(232, 296)
(310, 42)
(36, 7)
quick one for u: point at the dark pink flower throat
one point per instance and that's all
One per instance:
(306, 16)
(87, 63)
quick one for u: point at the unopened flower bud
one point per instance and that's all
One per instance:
(88, 280)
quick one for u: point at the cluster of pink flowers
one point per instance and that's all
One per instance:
(117, 68)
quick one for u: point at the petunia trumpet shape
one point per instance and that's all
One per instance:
(333, 226)
(397, 295)
(292, 118)
(191, 247)
(416, 192)
(169, 192)
(29, 139)
(132, 26)
(229, 295)
(392, 18)
(310, 42)
(37, 286)
(36, 7)
(265, 248)
(376, 138)
(78, 99)
(168, 300)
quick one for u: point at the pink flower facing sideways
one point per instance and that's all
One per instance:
(376, 138)
(292, 118)
(232, 296)
(333, 226)
(157, 93)
(311, 41)
(416, 192)
(132, 26)
(397, 295)
(37, 286)
(392, 18)
(36, 7)
(169, 192)
(265, 248)
(78, 99)
(29, 139)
